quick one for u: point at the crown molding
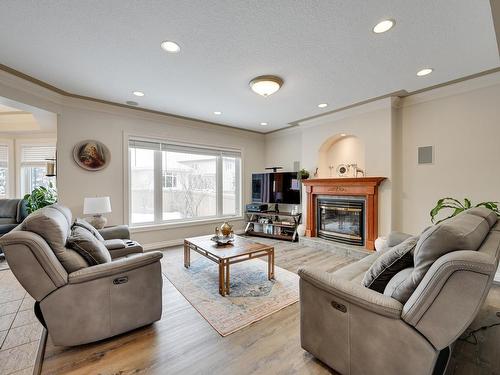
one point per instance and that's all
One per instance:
(32, 85)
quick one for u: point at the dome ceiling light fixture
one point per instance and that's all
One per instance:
(384, 26)
(266, 85)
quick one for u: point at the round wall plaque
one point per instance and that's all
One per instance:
(91, 155)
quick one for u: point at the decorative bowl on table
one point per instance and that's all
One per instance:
(222, 240)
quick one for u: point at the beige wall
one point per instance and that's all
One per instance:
(461, 121)
(371, 124)
(112, 127)
(80, 119)
(464, 130)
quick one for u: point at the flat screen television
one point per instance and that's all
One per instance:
(278, 187)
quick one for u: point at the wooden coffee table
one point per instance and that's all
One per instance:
(239, 251)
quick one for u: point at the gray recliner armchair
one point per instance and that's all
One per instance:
(81, 304)
(357, 330)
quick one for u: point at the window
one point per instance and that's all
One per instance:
(4, 171)
(173, 183)
(33, 167)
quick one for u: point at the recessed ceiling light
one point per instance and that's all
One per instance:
(266, 85)
(131, 102)
(263, 123)
(217, 113)
(424, 72)
(343, 134)
(322, 105)
(138, 93)
(383, 26)
(170, 46)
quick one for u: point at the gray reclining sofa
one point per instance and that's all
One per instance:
(76, 302)
(357, 330)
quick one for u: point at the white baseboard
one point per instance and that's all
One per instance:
(162, 244)
(171, 243)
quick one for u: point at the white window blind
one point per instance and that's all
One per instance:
(37, 154)
(4, 156)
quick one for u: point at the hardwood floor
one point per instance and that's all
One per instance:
(184, 343)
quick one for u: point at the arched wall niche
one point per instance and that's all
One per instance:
(340, 149)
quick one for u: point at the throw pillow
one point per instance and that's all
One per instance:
(390, 263)
(85, 224)
(91, 249)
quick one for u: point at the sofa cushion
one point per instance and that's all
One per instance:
(486, 213)
(86, 225)
(390, 263)
(114, 244)
(395, 238)
(8, 208)
(396, 280)
(89, 247)
(52, 225)
(463, 232)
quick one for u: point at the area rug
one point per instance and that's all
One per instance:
(252, 296)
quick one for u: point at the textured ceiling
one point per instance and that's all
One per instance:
(324, 50)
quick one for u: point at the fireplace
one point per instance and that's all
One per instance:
(359, 226)
(342, 219)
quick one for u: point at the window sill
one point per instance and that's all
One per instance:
(183, 224)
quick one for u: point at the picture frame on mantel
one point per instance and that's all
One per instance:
(91, 155)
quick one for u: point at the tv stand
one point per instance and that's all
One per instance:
(272, 224)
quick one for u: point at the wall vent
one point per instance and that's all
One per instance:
(425, 155)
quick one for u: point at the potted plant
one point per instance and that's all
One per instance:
(456, 207)
(40, 197)
(302, 174)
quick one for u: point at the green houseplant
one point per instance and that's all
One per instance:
(302, 174)
(454, 207)
(40, 197)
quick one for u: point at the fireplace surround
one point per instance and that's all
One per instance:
(365, 188)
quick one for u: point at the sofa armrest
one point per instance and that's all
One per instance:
(116, 232)
(353, 292)
(114, 267)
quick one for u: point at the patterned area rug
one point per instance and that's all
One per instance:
(252, 296)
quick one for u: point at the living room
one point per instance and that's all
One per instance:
(167, 134)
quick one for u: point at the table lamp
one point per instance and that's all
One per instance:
(97, 207)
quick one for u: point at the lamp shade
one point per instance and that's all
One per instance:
(98, 205)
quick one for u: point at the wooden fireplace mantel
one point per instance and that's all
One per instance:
(362, 186)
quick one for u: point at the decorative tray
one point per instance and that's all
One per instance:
(223, 240)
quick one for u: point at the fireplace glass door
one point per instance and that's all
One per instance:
(341, 220)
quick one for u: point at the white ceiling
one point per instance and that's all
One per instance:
(324, 50)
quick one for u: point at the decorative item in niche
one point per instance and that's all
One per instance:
(356, 171)
(91, 155)
(342, 170)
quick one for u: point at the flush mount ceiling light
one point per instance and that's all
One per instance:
(322, 105)
(263, 123)
(170, 46)
(217, 113)
(138, 93)
(424, 72)
(343, 134)
(266, 85)
(383, 26)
